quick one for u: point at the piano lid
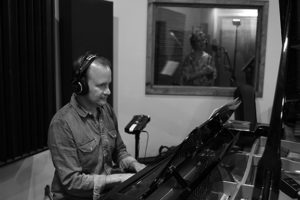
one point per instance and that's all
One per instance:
(224, 112)
(196, 141)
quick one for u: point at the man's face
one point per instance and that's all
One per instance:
(99, 79)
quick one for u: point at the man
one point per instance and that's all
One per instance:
(83, 136)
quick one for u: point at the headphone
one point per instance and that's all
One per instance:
(79, 83)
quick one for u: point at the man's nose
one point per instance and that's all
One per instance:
(107, 91)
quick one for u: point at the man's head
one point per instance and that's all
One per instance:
(92, 77)
(198, 40)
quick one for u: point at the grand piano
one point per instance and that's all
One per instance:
(181, 173)
(224, 158)
(217, 160)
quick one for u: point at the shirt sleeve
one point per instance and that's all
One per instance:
(120, 151)
(64, 157)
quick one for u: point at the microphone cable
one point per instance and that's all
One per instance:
(146, 142)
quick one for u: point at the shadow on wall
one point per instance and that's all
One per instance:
(27, 178)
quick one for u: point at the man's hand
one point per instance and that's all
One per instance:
(107, 181)
(117, 178)
(132, 164)
(138, 166)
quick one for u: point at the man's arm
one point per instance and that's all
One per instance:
(124, 159)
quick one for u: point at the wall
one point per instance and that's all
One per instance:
(172, 117)
(27, 178)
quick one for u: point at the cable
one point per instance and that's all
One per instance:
(48, 192)
(146, 142)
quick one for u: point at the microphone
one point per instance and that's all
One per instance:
(172, 34)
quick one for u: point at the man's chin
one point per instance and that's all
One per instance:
(102, 102)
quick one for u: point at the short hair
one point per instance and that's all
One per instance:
(82, 63)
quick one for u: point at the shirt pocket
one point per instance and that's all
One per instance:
(88, 155)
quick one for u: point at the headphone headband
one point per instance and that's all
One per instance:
(86, 61)
(79, 83)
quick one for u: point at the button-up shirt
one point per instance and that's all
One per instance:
(81, 146)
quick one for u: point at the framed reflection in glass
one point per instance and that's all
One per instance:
(203, 47)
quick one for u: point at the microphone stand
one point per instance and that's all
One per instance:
(137, 144)
(227, 58)
(236, 23)
(232, 79)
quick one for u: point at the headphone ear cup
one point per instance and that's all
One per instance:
(77, 87)
(80, 86)
(84, 86)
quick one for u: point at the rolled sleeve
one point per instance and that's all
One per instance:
(99, 184)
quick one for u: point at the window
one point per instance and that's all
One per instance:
(203, 48)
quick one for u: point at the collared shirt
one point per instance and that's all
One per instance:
(81, 146)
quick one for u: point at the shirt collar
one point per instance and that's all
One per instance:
(76, 105)
(79, 108)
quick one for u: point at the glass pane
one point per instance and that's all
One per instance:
(204, 46)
